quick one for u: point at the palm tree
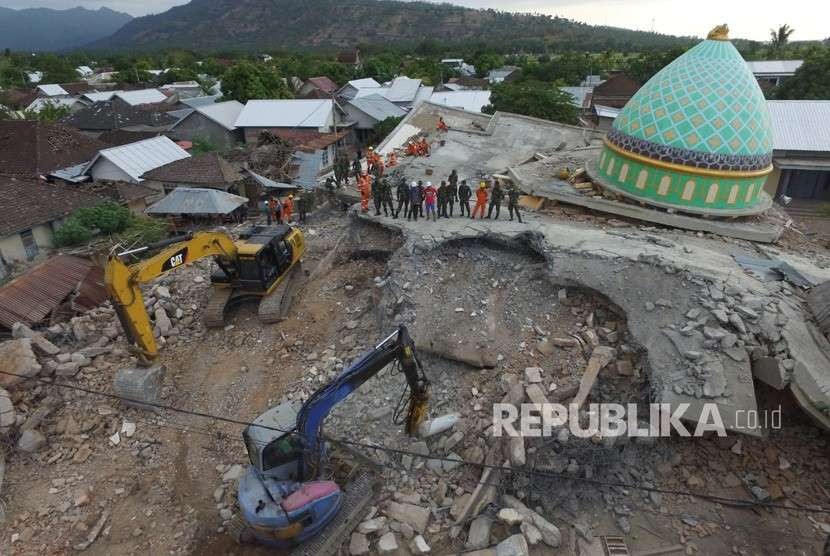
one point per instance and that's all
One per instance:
(780, 37)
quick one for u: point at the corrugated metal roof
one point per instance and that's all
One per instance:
(193, 200)
(101, 96)
(800, 125)
(142, 156)
(142, 96)
(377, 107)
(308, 170)
(364, 83)
(471, 101)
(58, 102)
(30, 298)
(579, 94)
(223, 113)
(286, 113)
(196, 102)
(774, 67)
(606, 111)
(269, 183)
(403, 89)
(52, 90)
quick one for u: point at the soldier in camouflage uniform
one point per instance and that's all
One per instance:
(464, 194)
(376, 197)
(386, 197)
(443, 194)
(513, 202)
(452, 189)
(341, 170)
(496, 197)
(402, 194)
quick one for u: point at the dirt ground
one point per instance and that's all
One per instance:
(161, 490)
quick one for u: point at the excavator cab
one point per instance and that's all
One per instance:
(281, 511)
(264, 254)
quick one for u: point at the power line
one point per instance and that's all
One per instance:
(534, 472)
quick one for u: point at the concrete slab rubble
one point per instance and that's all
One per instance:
(694, 276)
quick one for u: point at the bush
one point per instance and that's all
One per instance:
(107, 217)
(143, 231)
(73, 232)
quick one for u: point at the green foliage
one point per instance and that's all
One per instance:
(780, 37)
(49, 112)
(532, 98)
(566, 69)
(109, 218)
(643, 67)
(202, 145)
(11, 75)
(136, 73)
(246, 81)
(381, 68)
(384, 128)
(143, 230)
(177, 74)
(485, 61)
(811, 81)
(72, 232)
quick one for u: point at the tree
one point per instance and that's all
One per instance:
(384, 128)
(811, 81)
(780, 37)
(486, 61)
(245, 81)
(136, 73)
(643, 67)
(533, 98)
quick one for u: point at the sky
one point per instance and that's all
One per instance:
(750, 19)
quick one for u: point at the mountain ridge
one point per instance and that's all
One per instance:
(274, 24)
(47, 29)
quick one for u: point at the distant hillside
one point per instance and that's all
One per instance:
(264, 24)
(40, 29)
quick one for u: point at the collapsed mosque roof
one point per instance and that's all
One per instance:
(697, 137)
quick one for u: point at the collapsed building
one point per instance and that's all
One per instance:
(687, 152)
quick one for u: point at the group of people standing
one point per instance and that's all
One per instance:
(279, 211)
(424, 200)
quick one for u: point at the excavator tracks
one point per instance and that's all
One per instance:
(357, 498)
(274, 307)
(214, 314)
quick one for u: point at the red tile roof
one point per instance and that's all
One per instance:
(25, 204)
(202, 169)
(31, 148)
(323, 83)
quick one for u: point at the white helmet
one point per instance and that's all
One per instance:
(429, 184)
(413, 184)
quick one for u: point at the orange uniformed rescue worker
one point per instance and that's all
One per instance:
(288, 208)
(364, 186)
(481, 200)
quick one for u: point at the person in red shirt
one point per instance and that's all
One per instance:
(481, 200)
(430, 197)
(442, 125)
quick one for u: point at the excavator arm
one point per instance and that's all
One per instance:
(123, 282)
(399, 347)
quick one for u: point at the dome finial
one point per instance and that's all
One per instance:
(719, 33)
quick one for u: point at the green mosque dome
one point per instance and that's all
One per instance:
(697, 137)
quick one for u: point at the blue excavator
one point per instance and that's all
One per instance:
(284, 501)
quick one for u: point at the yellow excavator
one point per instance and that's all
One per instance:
(263, 263)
